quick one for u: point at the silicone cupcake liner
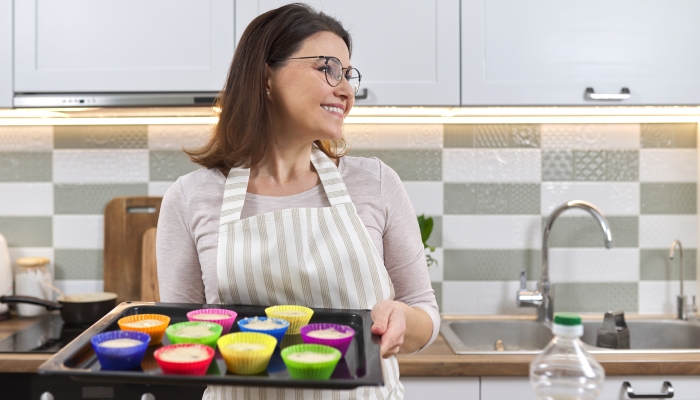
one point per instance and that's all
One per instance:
(155, 332)
(276, 333)
(226, 324)
(120, 358)
(341, 344)
(314, 371)
(295, 322)
(248, 362)
(184, 368)
(172, 333)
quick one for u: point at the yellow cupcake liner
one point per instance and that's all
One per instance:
(247, 362)
(295, 322)
(155, 332)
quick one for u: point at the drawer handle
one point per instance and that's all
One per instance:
(623, 95)
(362, 95)
(666, 394)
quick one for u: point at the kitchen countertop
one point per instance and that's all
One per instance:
(438, 360)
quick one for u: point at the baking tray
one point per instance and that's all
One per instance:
(360, 367)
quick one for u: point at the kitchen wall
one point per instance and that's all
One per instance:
(488, 188)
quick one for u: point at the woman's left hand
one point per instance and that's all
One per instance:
(389, 320)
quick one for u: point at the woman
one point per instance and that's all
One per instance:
(299, 222)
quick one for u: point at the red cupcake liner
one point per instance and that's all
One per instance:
(341, 344)
(184, 368)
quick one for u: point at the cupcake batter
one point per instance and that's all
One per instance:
(329, 333)
(194, 331)
(263, 324)
(246, 346)
(290, 313)
(184, 354)
(144, 323)
(310, 357)
(120, 343)
(211, 316)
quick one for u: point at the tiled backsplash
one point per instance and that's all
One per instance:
(489, 188)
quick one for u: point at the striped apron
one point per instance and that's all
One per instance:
(315, 257)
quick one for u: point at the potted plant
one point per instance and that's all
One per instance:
(426, 228)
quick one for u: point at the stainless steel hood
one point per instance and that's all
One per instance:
(65, 100)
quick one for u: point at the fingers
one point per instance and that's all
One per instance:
(390, 323)
(380, 317)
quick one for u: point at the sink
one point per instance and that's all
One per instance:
(526, 336)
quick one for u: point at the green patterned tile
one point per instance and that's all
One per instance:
(558, 165)
(586, 232)
(100, 137)
(492, 135)
(435, 238)
(78, 264)
(668, 135)
(170, 165)
(668, 198)
(490, 265)
(27, 231)
(92, 198)
(410, 165)
(458, 135)
(492, 198)
(25, 166)
(437, 288)
(596, 296)
(606, 165)
(654, 265)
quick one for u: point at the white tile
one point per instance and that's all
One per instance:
(590, 136)
(393, 136)
(26, 199)
(26, 138)
(492, 165)
(19, 252)
(158, 188)
(483, 298)
(668, 165)
(491, 231)
(76, 286)
(659, 297)
(175, 137)
(426, 197)
(100, 166)
(612, 198)
(593, 265)
(659, 231)
(436, 270)
(78, 231)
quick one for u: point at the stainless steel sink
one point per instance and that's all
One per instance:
(527, 336)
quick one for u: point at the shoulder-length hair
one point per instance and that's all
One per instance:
(243, 135)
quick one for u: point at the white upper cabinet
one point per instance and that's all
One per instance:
(406, 50)
(548, 52)
(5, 53)
(122, 45)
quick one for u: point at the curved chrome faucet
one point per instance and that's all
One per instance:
(540, 298)
(681, 308)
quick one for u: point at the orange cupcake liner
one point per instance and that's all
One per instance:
(155, 332)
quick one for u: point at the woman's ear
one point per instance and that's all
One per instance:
(268, 79)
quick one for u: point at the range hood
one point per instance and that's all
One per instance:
(67, 100)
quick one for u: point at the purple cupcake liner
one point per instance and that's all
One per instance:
(340, 344)
(226, 324)
(276, 333)
(121, 359)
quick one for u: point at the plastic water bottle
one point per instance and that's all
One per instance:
(565, 370)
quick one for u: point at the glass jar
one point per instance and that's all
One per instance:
(30, 277)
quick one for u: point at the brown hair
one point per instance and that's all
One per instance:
(243, 134)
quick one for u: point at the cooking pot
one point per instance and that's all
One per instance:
(76, 309)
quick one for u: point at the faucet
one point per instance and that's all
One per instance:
(540, 298)
(681, 300)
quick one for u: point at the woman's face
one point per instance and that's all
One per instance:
(303, 103)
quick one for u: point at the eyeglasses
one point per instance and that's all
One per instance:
(334, 71)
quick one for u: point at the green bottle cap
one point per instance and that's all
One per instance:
(567, 319)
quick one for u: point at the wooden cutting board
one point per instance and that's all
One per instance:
(126, 220)
(149, 272)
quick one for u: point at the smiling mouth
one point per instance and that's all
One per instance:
(334, 110)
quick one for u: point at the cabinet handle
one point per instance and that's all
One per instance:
(623, 95)
(666, 394)
(362, 95)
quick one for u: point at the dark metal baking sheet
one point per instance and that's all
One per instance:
(360, 367)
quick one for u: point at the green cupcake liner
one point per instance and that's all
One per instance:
(216, 329)
(313, 371)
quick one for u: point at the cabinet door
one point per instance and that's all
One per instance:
(684, 387)
(406, 50)
(5, 53)
(443, 388)
(122, 45)
(547, 52)
(506, 388)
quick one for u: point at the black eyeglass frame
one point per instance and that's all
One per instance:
(327, 58)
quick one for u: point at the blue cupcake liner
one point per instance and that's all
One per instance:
(276, 333)
(120, 359)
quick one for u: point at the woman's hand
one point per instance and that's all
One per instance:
(389, 319)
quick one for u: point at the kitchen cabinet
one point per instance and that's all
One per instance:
(121, 46)
(406, 50)
(444, 388)
(5, 53)
(548, 52)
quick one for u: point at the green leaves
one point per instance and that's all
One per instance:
(426, 228)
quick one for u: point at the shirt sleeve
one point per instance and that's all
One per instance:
(179, 271)
(404, 254)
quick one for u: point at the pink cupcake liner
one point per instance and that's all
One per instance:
(226, 324)
(341, 344)
(184, 368)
